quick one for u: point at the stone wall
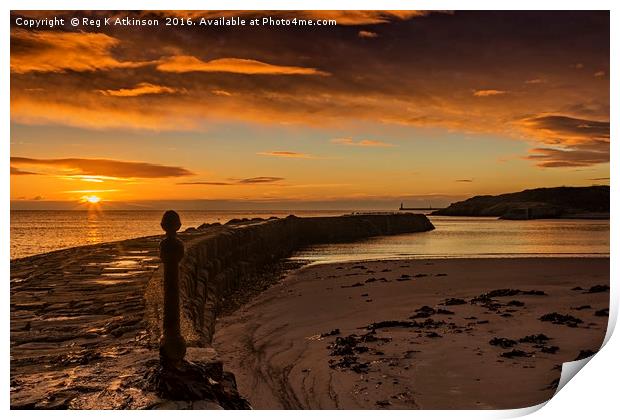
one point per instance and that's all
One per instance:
(217, 264)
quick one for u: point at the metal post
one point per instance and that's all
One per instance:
(172, 345)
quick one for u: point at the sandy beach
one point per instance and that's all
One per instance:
(416, 334)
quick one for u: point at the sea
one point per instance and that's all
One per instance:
(39, 231)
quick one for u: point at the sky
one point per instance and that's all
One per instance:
(385, 107)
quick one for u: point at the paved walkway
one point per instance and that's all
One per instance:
(73, 312)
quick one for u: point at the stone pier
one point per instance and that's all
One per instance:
(86, 321)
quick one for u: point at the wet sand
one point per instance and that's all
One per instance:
(416, 334)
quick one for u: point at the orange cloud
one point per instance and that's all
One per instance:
(90, 178)
(17, 171)
(52, 51)
(392, 87)
(105, 167)
(553, 129)
(139, 90)
(82, 110)
(243, 181)
(188, 63)
(285, 154)
(575, 142)
(489, 92)
(221, 92)
(563, 158)
(90, 191)
(362, 143)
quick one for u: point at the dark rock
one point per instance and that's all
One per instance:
(194, 381)
(391, 324)
(431, 323)
(335, 331)
(349, 363)
(602, 312)
(548, 349)
(346, 346)
(453, 301)
(350, 345)
(442, 311)
(556, 318)
(371, 336)
(504, 343)
(423, 312)
(580, 308)
(515, 353)
(486, 299)
(599, 288)
(535, 339)
(352, 285)
(534, 293)
(502, 292)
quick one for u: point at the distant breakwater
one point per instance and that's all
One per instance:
(220, 260)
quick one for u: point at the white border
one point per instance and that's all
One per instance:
(593, 394)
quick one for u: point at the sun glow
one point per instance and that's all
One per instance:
(90, 199)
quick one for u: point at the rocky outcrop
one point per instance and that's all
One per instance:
(539, 203)
(232, 256)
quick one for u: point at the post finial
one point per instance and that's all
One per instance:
(170, 221)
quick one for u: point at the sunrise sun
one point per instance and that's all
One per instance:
(91, 199)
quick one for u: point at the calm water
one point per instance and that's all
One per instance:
(475, 237)
(35, 232)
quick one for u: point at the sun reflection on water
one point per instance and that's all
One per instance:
(93, 223)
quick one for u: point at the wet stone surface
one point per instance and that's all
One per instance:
(74, 314)
(79, 338)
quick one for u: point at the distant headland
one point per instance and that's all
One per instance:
(540, 203)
